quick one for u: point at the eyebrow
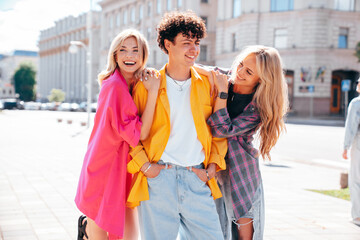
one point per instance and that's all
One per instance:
(132, 47)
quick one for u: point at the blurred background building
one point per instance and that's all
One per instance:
(63, 70)
(8, 65)
(316, 39)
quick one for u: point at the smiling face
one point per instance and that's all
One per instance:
(128, 57)
(247, 77)
(183, 51)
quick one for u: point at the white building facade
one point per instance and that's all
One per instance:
(316, 40)
(144, 15)
(67, 71)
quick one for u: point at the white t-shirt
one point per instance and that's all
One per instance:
(183, 147)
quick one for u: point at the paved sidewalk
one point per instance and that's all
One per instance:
(40, 163)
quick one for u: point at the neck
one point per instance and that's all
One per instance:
(129, 77)
(242, 90)
(178, 72)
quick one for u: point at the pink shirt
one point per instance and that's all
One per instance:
(104, 181)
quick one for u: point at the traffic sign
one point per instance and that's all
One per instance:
(345, 85)
(311, 88)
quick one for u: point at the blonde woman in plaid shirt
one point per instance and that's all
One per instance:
(255, 99)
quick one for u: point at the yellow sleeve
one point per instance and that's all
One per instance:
(138, 155)
(219, 147)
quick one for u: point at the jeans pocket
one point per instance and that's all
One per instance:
(155, 179)
(198, 180)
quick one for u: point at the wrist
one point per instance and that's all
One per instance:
(152, 92)
(144, 167)
(223, 95)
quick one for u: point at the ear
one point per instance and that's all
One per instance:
(167, 44)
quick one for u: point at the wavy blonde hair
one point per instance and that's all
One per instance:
(271, 94)
(114, 48)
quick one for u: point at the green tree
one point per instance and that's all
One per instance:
(56, 95)
(357, 51)
(24, 82)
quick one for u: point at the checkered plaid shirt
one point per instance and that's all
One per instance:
(242, 158)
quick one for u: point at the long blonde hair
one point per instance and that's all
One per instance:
(271, 94)
(115, 46)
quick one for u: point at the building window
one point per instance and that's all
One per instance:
(169, 3)
(236, 8)
(148, 34)
(343, 38)
(158, 6)
(203, 53)
(141, 12)
(280, 39)
(344, 5)
(118, 19)
(179, 3)
(110, 23)
(149, 9)
(10, 91)
(282, 5)
(233, 43)
(132, 14)
(125, 17)
(205, 21)
(154, 57)
(204, 1)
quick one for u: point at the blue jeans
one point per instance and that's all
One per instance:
(226, 213)
(179, 203)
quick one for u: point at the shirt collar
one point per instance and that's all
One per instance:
(194, 76)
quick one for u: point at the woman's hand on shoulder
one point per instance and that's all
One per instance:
(221, 81)
(151, 79)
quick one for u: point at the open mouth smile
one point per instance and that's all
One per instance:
(129, 63)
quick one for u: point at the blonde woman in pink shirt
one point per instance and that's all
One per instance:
(104, 181)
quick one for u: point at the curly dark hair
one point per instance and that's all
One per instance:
(176, 22)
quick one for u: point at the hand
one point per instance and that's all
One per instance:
(201, 173)
(344, 155)
(221, 81)
(154, 170)
(151, 79)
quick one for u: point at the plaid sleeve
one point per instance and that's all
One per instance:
(222, 126)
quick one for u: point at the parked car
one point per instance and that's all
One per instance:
(94, 107)
(10, 103)
(83, 106)
(32, 105)
(64, 107)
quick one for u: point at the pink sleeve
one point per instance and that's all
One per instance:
(121, 111)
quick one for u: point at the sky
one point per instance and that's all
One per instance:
(22, 20)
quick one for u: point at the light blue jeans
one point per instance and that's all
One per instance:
(226, 213)
(179, 203)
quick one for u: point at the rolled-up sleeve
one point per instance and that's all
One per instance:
(352, 123)
(223, 127)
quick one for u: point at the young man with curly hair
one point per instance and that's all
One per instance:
(175, 166)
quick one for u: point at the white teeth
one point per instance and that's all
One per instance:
(191, 57)
(129, 63)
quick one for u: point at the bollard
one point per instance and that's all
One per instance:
(69, 121)
(83, 123)
(344, 176)
(59, 120)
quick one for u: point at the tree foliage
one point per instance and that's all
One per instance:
(56, 95)
(357, 51)
(24, 82)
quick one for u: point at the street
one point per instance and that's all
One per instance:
(40, 161)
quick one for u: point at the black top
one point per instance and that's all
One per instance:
(236, 103)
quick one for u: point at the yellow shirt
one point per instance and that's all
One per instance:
(152, 148)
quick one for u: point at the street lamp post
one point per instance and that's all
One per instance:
(73, 48)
